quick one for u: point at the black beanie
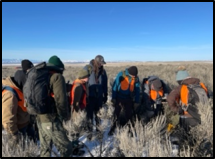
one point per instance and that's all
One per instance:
(26, 64)
(20, 78)
(133, 70)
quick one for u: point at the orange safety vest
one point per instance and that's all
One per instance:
(83, 101)
(184, 95)
(20, 97)
(125, 83)
(154, 94)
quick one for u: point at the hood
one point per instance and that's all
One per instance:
(190, 80)
(9, 82)
(151, 78)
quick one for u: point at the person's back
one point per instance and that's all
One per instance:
(50, 125)
(183, 100)
(32, 130)
(154, 90)
(125, 96)
(126, 85)
(78, 93)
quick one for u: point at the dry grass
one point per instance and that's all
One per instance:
(147, 139)
(25, 148)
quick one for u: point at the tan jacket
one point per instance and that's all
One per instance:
(13, 116)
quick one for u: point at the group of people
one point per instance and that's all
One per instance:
(88, 93)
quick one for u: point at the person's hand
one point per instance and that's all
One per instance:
(175, 120)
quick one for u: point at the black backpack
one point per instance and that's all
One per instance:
(36, 90)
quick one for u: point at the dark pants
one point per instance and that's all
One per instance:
(23, 130)
(159, 109)
(123, 112)
(187, 123)
(92, 108)
(32, 132)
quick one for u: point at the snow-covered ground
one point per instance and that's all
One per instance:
(94, 145)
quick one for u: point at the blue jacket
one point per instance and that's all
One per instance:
(117, 92)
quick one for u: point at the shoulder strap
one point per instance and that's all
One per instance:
(123, 76)
(123, 73)
(204, 87)
(184, 94)
(8, 88)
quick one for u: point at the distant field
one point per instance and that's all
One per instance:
(129, 63)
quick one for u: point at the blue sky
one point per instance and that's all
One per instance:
(140, 31)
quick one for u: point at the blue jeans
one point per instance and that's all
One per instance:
(23, 131)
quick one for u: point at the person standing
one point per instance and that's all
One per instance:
(78, 93)
(96, 89)
(50, 124)
(125, 96)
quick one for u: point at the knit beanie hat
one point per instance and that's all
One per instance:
(181, 73)
(157, 84)
(26, 64)
(20, 78)
(55, 61)
(133, 70)
(83, 74)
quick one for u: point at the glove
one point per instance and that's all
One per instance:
(174, 120)
(170, 127)
(104, 99)
(113, 101)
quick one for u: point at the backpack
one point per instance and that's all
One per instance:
(112, 80)
(197, 94)
(190, 95)
(147, 81)
(36, 90)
